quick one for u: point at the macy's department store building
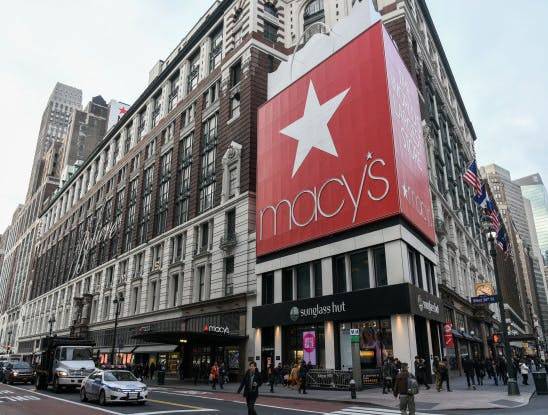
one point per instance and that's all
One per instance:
(345, 237)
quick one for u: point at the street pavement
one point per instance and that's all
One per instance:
(24, 400)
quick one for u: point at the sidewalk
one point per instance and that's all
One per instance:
(485, 397)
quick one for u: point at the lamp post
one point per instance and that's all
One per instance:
(513, 388)
(51, 322)
(118, 300)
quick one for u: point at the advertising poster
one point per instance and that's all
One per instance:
(309, 347)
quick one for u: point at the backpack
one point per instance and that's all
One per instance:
(412, 385)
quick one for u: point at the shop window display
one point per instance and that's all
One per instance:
(300, 342)
(375, 343)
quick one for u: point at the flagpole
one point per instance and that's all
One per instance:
(513, 388)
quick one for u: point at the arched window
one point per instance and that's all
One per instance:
(271, 9)
(313, 9)
(313, 13)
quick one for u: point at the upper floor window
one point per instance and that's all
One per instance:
(187, 116)
(313, 13)
(209, 132)
(271, 9)
(156, 108)
(193, 72)
(173, 90)
(141, 123)
(216, 49)
(270, 32)
(236, 73)
(212, 94)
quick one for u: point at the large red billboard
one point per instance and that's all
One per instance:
(342, 146)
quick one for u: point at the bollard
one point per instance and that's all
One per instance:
(352, 389)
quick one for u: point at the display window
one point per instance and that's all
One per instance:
(304, 343)
(375, 343)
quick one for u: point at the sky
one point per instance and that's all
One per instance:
(496, 51)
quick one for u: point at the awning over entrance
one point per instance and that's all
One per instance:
(160, 348)
(175, 338)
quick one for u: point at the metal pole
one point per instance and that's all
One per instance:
(513, 388)
(115, 328)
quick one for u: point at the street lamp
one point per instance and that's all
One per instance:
(51, 322)
(118, 300)
(513, 388)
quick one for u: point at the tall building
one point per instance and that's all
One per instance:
(163, 213)
(530, 278)
(53, 128)
(533, 189)
(86, 129)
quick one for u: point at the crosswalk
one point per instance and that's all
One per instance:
(362, 410)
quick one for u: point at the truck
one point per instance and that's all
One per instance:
(63, 363)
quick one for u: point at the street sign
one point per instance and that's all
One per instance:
(354, 335)
(484, 299)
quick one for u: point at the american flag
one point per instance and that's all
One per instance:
(502, 240)
(472, 178)
(493, 213)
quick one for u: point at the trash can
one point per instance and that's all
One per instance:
(541, 384)
(162, 377)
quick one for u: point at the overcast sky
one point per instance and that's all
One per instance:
(496, 51)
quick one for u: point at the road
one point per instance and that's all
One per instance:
(24, 400)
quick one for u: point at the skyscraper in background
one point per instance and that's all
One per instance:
(53, 128)
(533, 189)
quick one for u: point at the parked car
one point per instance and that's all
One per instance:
(18, 372)
(109, 386)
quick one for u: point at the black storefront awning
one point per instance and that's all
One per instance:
(175, 338)
(350, 306)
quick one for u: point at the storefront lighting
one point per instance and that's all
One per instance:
(183, 341)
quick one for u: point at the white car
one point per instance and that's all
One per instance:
(108, 386)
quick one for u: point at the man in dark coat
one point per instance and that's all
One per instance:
(250, 385)
(303, 371)
(420, 372)
(468, 367)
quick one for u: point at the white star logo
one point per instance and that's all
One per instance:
(405, 190)
(311, 130)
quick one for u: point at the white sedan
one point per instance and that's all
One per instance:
(107, 386)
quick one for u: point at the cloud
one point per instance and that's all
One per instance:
(102, 47)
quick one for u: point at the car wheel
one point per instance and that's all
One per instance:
(83, 396)
(56, 386)
(102, 399)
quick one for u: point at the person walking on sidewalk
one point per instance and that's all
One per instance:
(214, 375)
(272, 375)
(222, 375)
(420, 372)
(180, 370)
(479, 369)
(406, 387)
(524, 370)
(152, 370)
(502, 369)
(443, 368)
(437, 377)
(468, 367)
(250, 385)
(387, 375)
(303, 371)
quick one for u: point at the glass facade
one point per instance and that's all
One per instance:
(533, 189)
(375, 343)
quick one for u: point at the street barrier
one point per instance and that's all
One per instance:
(329, 379)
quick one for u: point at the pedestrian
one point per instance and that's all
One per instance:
(479, 369)
(196, 372)
(271, 371)
(214, 375)
(222, 375)
(491, 368)
(437, 378)
(387, 375)
(279, 373)
(397, 365)
(303, 371)
(181, 370)
(294, 375)
(524, 370)
(152, 370)
(250, 385)
(420, 372)
(468, 367)
(406, 387)
(503, 370)
(444, 374)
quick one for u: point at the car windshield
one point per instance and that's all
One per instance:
(21, 365)
(119, 375)
(73, 353)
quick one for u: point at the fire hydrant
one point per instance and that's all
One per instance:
(352, 389)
